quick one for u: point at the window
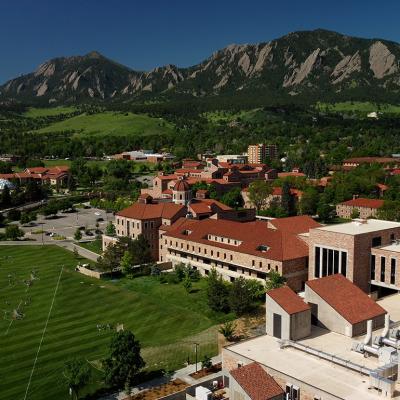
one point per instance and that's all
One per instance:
(376, 241)
(372, 267)
(383, 262)
(392, 237)
(344, 263)
(393, 271)
(252, 263)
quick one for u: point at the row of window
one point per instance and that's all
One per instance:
(224, 240)
(146, 224)
(207, 261)
(216, 253)
(329, 261)
(393, 266)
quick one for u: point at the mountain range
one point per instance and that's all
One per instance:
(317, 64)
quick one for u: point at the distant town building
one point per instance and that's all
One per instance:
(143, 156)
(385, 162)
(258, 153)
(366, 208)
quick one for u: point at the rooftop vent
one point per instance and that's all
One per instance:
(263, 247)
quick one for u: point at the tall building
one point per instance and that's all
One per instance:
(258, 153)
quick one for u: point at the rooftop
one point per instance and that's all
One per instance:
(364, 202)
(283, 244)
(358, 227)
(288, 300)
(346, 298)
(395, 247)
(256, 382)
(151, 211)
(315, 372)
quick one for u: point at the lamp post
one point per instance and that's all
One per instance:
(196, 345)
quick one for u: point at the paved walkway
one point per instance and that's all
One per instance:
(182, 374)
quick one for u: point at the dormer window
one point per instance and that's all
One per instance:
(263, 248)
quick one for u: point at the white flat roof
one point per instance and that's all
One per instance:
(395, 247)
(322, 374)
(358, 227)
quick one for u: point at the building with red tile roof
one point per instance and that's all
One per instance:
(54, 176)
(252, 382)
(249, 249)
(341, 306)
(366, 208)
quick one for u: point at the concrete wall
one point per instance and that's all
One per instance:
(300, 325)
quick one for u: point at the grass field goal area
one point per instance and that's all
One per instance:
(50, 313)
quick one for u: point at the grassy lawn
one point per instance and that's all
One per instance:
(361, 107)
(111, 123)
(45, 112)
(95, 246)
(165, 318)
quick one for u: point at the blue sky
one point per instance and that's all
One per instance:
(146, 34)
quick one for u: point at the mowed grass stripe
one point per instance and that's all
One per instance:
(157, 314)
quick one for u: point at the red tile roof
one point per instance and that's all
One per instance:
(286, 174)
(206, 206)
(256, 382)
(346, 298)
(362, 202)
(282, 244)
(296, 225)
(288, 300)
(151, 211)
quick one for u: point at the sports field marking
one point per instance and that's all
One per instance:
(43, 333)
(9, 325)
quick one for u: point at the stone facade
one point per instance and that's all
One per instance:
(345, 211)
(229, 263)
(358, 249)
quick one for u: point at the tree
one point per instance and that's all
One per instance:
(324, 209)
(124, 362)
(187, 283)
(51, 209)
(287, 200)
(76, 375)
(240, 299)
(275, 280)
(228, 330)
(5, 200)
(233, 198)
(110, 229)
(258, 193)
(140, 251)
(78, 234)
(13, 232)
(217, 292)
(309, 202)
(25, 218)
(111, 258)
(355, 213)
(127, 263)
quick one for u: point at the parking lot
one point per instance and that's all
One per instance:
(65, 224)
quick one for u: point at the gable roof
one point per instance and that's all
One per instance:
(282, 245)
(256, 382)
(151, 211)
(206, 206)
(346, 298)
(288, 300)
(363, 202)
(297, 224)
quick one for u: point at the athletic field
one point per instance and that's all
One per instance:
(50, 313)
